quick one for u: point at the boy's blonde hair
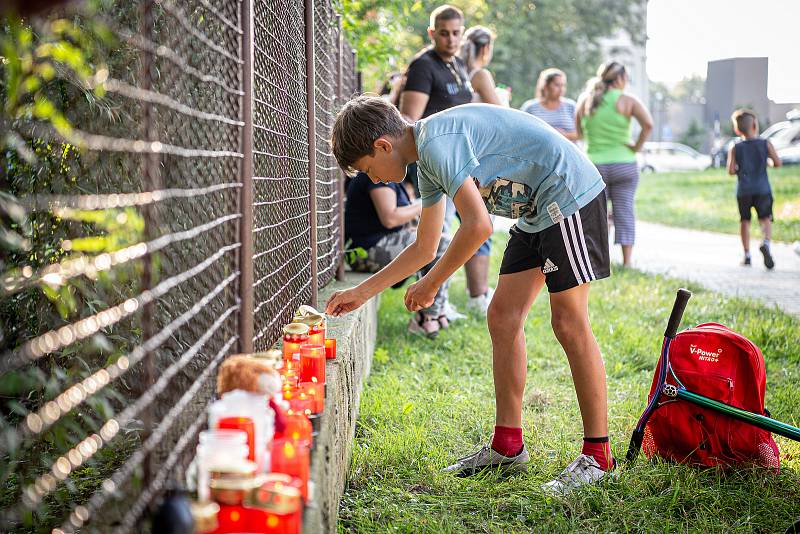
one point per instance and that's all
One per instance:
(361, 121)
(743, 120)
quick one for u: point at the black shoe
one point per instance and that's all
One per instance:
(769, 263)
(746, 261)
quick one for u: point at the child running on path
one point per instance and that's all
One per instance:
(747, 159)
(490, 159)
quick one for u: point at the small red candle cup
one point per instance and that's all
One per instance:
(299, 402)
(316, 327)
(279, 498)
(242, 423)
(315, 392)
(295, 335)
(330, 348)
(292, 458)
(312, 363)
(298, 428)
(231, 519)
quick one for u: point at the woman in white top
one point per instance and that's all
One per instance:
(476, 52)
(550, 104)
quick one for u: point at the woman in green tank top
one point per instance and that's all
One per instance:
(604, 119)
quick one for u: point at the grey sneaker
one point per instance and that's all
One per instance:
(488, 458)
(583, 470)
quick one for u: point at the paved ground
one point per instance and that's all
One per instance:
(712, 260)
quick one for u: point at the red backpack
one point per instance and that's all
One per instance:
(714, 361)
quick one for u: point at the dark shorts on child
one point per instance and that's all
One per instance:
(762, 202)
(570, 253)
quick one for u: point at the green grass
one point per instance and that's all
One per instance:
(707, 201)
(428, 402)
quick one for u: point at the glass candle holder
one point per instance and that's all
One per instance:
(298, 428)
(330, 348)
(315, 392)
(312, 363)
(316, 335)
(291, 458)
(246, 425)
(280, 500)
(295, 335)
(300, 403)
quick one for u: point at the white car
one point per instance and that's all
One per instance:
(668, 156)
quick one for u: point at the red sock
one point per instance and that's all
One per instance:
(507, 440)
(600, 450)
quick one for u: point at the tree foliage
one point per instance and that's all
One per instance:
(531, 35)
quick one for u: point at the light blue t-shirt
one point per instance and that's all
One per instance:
(523, 168)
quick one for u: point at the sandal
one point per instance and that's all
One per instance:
(443, 322)
(424, 325)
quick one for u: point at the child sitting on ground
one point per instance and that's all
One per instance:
(377, 218)
(495, 160)
(747, 159)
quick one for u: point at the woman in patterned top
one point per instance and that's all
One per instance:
(550, 104)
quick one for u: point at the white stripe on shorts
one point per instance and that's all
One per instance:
(585, 248)
(568, 247)
(579, 252)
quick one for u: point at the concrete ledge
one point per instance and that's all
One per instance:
(330, 460)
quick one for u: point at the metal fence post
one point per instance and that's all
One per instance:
(246, 277)
(312, 143)
(341, 98)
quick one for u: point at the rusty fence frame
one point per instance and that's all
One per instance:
(255, 310)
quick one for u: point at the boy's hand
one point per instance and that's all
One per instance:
(345, 301)
(420, 295)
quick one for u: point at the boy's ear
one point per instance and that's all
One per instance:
(382, 144)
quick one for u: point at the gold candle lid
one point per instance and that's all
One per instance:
(310, 320)
(204, 515)
(275, 494)
(243, 483)
(305, 309)
(296, 329)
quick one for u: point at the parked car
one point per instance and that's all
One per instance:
(667, 156)
(790, 155)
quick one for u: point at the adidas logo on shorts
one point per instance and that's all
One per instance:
(549, 266)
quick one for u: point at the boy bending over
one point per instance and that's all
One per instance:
(494, 160)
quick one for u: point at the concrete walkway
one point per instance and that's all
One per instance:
(711, 260)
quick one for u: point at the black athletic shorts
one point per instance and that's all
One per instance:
(570, 253)
(761, 202)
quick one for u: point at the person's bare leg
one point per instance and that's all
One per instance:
(570, 320)
(744, 232)
(477, 269)
(766, 228)
(627, 251)
(512, 300)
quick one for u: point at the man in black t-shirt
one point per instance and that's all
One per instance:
(437, 80)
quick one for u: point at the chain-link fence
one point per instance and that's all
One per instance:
(162, 164)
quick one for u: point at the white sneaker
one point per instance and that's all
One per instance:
(480, 304)
(583, 470)
(452, 313)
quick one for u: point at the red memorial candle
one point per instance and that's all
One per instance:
(280, 502)
(295, 335)
(330, 348)
(316, 334)
(315, 392)
(291, 458)
(245, 424)
(312, 363)
(298, 428)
